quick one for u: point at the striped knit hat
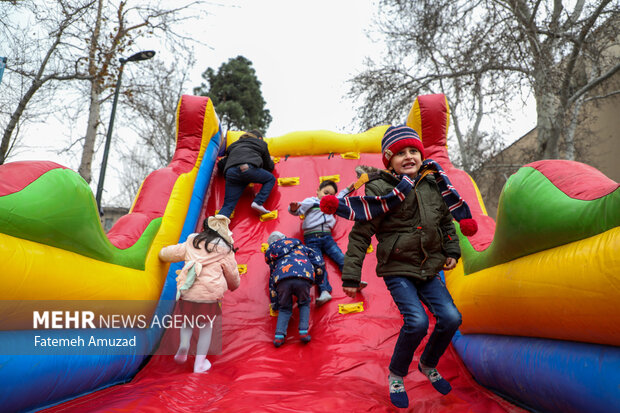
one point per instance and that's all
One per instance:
(397, 138)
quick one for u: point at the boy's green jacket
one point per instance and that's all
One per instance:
(414, 238)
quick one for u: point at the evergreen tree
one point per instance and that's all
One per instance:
(236, 95)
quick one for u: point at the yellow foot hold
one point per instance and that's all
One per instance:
(293, 180)
(269, 216)
(335, 178)
(217, 211)
(242, 268)
(351, 308)
(350, 155)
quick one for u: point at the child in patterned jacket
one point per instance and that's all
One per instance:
(292, 268)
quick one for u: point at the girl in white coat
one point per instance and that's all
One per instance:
(210, 270)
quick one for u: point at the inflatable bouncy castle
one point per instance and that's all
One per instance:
(536, 289)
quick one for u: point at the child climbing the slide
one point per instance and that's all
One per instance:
(292, 266)
(210, 270)
(247, 161)
(416, 240)
(317, 228)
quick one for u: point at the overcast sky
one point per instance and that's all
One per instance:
(304, 52)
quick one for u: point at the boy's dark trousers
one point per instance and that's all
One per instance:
(286, 289)
(409, 294)
(238, 178)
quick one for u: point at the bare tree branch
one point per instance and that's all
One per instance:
(593, 83)
(495, 49)
(39, 79)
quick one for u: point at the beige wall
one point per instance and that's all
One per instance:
(111, 215)
(597, 143)
(597, 139)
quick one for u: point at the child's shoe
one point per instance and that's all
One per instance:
(202, 364)
(398, 395)
(439, 383)
(304, 336)
(323, 298)
(181, 356)
(259, 208)
(278, 340)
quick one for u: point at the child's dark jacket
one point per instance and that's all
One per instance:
(289, 258)
(246, 151)
(414, 239)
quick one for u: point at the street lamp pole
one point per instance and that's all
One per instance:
(144, 55)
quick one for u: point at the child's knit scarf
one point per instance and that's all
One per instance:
(365, 208)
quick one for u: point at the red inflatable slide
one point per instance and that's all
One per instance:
(343, 368)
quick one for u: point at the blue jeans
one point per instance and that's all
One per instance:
(409, 294)
(286, 289)
(237, 181)
(324, 242)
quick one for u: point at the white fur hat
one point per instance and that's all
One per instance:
(275, 236)
(219, 223)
